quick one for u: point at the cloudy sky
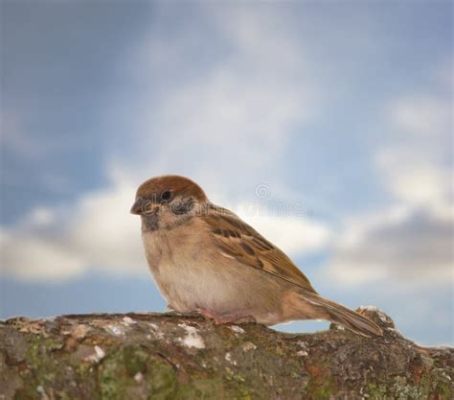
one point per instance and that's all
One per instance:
(327, 125)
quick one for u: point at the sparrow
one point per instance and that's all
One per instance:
(205, 259)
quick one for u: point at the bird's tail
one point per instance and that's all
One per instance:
(337, 313)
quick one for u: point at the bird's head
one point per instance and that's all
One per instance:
(167, 201)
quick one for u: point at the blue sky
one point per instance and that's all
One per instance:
(327, 125)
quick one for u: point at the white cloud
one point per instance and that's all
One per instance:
(416, 166)
(295, 234)
(416, 181)
(412, 246)
(96, 233)
(106, 233)
(29, 257)
(428, 116)
(412, 240)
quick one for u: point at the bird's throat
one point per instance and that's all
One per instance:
(150, 222)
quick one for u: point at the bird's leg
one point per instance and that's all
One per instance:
(237, 317)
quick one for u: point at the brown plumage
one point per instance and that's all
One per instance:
(251, 249)
(152, 188)
(205, 258)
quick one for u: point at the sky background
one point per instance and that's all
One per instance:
(326, 125)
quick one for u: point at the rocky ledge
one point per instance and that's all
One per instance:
(170, 356)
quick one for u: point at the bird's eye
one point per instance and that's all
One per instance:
(165, 196)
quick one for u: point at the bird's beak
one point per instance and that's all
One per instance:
(138, 207)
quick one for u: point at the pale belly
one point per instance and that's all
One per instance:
(190, 287)
(190, 279)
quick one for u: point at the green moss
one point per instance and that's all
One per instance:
(84, 369)
(159, 379)
(135, 360)
(238, 384)
(376, 391)
(162, 381)
(429, 385)
(425, 385)
(322, 392)
(400, 389)
(443, 386)
(200, 389)
(43, 368)
(110, 384)
(117, 371)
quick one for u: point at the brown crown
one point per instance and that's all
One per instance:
(178, 185)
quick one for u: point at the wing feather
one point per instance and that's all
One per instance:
(240, 241)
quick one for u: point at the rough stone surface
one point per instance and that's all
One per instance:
(169, 356)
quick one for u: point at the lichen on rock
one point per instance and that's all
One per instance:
(171, 356)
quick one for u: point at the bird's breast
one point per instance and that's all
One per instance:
(191, 275)
(186, 271)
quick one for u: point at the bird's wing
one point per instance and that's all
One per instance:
(238, 240)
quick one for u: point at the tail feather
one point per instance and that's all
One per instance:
(337, 313)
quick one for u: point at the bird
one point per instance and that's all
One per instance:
(206, 260)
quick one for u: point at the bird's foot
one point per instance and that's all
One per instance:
(235, 317)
